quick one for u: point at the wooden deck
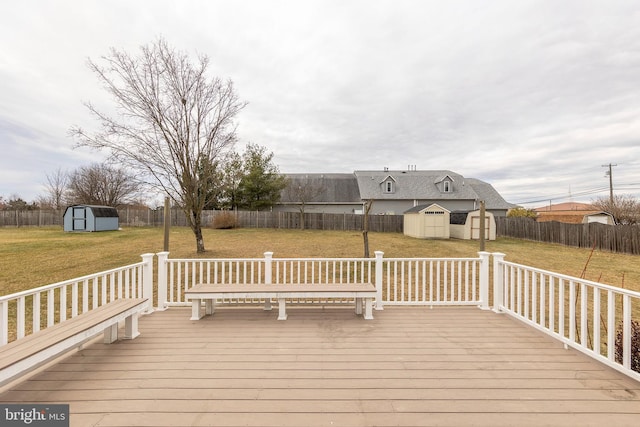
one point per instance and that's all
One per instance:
(415, 366)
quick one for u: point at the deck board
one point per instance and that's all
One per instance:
(410, 366)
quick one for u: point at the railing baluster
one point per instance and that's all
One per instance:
(20, 317)
(626, 331)
(596, 321)
(36, 312)
(611, 326)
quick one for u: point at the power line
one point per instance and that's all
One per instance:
(557, 196)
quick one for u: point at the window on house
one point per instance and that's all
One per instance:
(388, 187)
(447, 186)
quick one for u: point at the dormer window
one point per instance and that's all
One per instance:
(444, 184)
(388, 185)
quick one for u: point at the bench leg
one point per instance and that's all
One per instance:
(131, 327)
(195, 309)
(210, 306)
(358, 306)
(111, 334)
(267, 304)
(282, 309)
(368, 310)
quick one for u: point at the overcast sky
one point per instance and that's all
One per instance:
(530, 96)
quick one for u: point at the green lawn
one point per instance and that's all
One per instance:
(31, 257)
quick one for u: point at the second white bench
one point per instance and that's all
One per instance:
(363, 293)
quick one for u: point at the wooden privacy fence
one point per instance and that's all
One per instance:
(613, 238)
(131, 217)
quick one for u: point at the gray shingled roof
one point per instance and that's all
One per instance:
(408, 185)
(338, 187)
(411, 185)
(486, 192)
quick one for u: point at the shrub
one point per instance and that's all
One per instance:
(635, 345)
(225, 220)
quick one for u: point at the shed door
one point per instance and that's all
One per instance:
(434, 224)
(79, 218)
(475, 227)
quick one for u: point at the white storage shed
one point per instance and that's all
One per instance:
(91, 218)
(466, 225)
(427, 222)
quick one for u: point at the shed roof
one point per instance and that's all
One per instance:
(99, 211)
(420, 208)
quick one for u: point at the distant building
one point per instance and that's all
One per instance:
(573, 213)
(392, 192)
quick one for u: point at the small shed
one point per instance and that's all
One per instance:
(466, 225)
(90, 218)
(427, 222)
(600, 217)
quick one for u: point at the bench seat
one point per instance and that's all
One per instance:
(210, 292)
(28, 353)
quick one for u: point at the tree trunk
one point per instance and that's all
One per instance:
(365, 227)
(365, 235)
(195, 221)
(197, 231)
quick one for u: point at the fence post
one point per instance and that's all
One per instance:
(498, 281)
(147, 280)
(162, 280)
(379, 303)
(484, 280)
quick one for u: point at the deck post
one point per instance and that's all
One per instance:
(147, 281)
(379, 303)
(4, 322)
(268, 278)
(162, 280)
(498, 281)
(484, 279)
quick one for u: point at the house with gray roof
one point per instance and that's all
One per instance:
(392, 192)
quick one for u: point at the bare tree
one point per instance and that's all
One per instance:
(56, 189)
(303, 191)
(365, 226)
(100, 184)
(173, 122)
(624, 208)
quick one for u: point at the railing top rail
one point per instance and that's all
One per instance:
(432, 259)
(263, 259)
(575, 279)
(67, 282)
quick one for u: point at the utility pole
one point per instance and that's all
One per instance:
(610, 181)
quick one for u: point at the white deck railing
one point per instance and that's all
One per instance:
(39, 308)
(591, 317)
(594, 318)
(399, 281)
(436, 281)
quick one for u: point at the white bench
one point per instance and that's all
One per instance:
(28, 353)
(361, 292)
